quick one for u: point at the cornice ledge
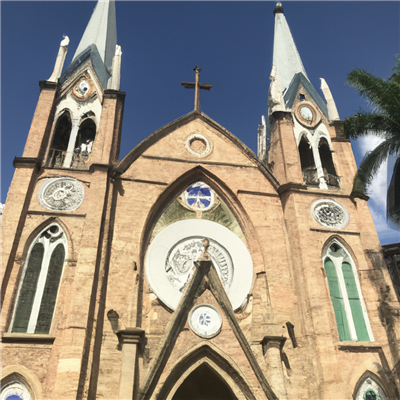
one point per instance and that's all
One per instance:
(130, 335)
(100, 167)
(291, 186)
(47, 85)
(27, 338)
(25, 162)
(114, 94)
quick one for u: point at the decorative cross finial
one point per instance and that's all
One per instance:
(197, 86)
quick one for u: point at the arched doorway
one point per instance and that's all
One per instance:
(204, 384)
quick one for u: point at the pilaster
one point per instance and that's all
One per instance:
(129, 339)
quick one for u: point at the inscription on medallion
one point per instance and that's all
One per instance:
(61, 194)
(180, 261)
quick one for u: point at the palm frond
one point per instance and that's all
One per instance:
(370, 165)
(363, 123)
(383, 96)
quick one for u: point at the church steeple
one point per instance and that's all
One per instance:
(101, 31)
(286, 58)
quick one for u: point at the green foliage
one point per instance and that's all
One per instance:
(382, 120)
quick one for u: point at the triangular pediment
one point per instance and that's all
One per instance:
(290, 94)
(204, 285)
(173, 142)
(88, 58)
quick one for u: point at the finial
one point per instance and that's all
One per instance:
(278, 8)
(204, 255)
(62, 52)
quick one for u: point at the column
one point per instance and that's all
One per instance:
(272, 346)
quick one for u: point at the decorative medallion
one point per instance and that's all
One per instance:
(198, 197)
(307, 114)
(181, 258)
(83, 89)
(61, 194)
(171, 256)
(330, 213)
(198, 145)
(205, 321)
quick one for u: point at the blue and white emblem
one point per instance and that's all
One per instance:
(199, 197)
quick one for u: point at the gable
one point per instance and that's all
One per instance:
(290, 94)
(195, 139)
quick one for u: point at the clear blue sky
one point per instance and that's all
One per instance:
(163, 41)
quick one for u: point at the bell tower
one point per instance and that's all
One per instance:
(52, 235)
(300, 125)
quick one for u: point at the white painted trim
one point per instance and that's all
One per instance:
(337, 260)
(370, 384)
(161, 245)
(17, 389)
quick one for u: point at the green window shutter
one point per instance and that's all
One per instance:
(337, 301)
(355, 302)
(50, 290)
(28, 290)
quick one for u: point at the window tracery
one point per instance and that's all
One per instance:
(40, 282)
(15, 390)
(348, 304)
(370, 390)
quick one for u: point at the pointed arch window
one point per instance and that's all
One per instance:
(60, 141)
(370, 390)
(344, 287)
(15, 390)
(84, 143)
(325, 156)
(40, 282)
(308, 167)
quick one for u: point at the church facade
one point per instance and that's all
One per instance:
(231, 276)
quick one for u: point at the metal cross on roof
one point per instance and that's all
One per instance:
(197, 86)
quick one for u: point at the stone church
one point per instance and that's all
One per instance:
(193, 268)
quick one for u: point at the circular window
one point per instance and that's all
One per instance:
(330, 213)
(61, 194)
(205, 321)
(198, 145)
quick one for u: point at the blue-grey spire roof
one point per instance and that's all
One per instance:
(101, 31)
(286, 58)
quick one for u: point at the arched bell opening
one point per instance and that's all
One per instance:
(204, 383)
(60, 141)
(308, 168)
(84, 143)
(325, 155)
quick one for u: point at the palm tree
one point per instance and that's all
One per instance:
(382, 120)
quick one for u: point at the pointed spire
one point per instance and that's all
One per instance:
(101, 31)
(286, 58)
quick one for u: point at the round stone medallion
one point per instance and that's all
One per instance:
(171, 256)
(330, 213)
(198, 145)
(61, 194)
(205, 321)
